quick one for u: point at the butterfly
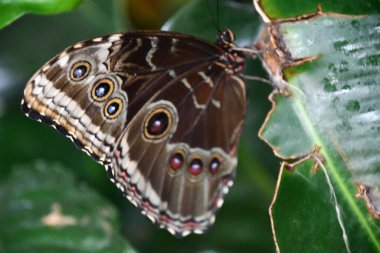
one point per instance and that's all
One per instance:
(162, 111)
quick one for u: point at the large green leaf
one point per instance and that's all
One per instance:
(43, 209)
(11, 10)
(333, 106)
(276, 9)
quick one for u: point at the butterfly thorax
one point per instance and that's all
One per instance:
(235, 59)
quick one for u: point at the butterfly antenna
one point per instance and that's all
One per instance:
(214, 21)
(218, 15)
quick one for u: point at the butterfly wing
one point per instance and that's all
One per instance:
(177, 156)
(121, 63)
(159, 109)
(62, 94)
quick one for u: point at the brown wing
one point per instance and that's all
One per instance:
(177, 156)
(124, 62)
(167, 103)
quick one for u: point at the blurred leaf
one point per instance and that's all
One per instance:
(11, 10)
(151, 14)
(334, 105)
(239, 17)
(43, 209)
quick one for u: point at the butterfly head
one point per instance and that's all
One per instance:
(235, 59)
(226, 38)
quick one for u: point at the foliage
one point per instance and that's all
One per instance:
(11, 10)
(333, 106)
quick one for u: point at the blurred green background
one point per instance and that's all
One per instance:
(242, 225)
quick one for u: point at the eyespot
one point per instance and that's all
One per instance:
(80, 70)
(158, 123)
(113, 108)
(195, 167)
(102, 90)
(214, 166)
(176, 161)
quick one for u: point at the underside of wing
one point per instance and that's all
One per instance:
(90, 91)
(161, 110)
(176, 158)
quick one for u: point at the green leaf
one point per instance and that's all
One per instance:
(286, 9)
(333, 105)
(304, 216)
(43, 209)
(11, 10)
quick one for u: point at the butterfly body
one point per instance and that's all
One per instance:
(162, 111)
